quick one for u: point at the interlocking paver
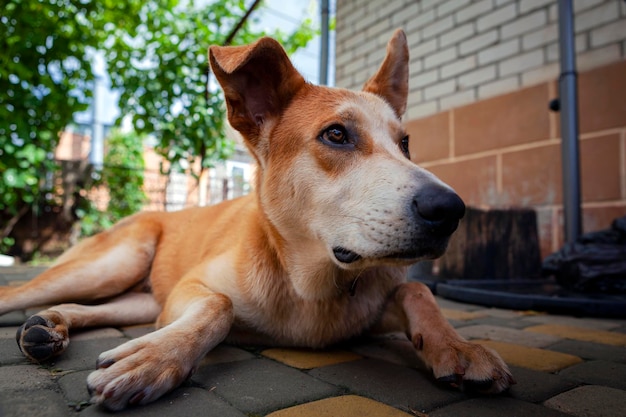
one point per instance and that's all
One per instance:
(82, 354)
(610, 374)
(580, 333)
(590, 401)
(400, 387)
(590, 350)
(532, 358)
(183, 401)
(307, 358)
(35, 403)
(570, 376)
(503, 334)
(398, 351)
(344, 406)
(538, 386)
(591, 323)
(495, 407)
(262, 385)
(460, 315)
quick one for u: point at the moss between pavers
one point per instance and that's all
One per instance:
(579, 333)
(309, 359)
(345, 406)
(531, 358)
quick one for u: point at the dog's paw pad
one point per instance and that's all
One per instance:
(40, 339)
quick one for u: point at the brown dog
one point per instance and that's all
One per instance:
(337, 202)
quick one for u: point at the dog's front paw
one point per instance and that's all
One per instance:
(137, 372)
(471, 367)
(43, 336)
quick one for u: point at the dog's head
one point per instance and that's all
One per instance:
(335, 173)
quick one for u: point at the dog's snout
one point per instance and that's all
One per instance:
(439, 207)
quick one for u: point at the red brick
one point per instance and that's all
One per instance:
(429, 137)
(511, 119)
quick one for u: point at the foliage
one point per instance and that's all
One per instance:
(45, 73)
(122, 176)
(156, 52)
(163, 71)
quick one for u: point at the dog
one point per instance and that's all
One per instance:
(315, 255)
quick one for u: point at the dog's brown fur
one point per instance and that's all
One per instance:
(336, 203)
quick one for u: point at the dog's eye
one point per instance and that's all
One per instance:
(404, 147)
(335, 135)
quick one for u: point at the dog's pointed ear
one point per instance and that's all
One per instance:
(258, 82)
(391, 82)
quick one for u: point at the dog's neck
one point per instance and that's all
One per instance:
(308, 266)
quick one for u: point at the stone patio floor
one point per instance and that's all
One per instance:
(564, 366)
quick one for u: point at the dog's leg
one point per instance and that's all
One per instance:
(46, 334)
(99, 268)
(195, 320)
(453, 360)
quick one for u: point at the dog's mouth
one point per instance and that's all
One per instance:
(347, 256)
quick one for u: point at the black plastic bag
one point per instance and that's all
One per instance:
(596, 262)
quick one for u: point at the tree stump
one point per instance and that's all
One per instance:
(494, 244)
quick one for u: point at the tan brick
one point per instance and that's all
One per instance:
(532, 358)
(429, 137)
(600, 168)
(580, 333)
(473, 179)
(309, 359)
(477, 128)
(600, 106)
(345, 406)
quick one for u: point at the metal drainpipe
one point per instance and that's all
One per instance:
(568, 103)
(324, 43)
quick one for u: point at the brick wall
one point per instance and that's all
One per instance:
(463, 51)
(482, 73)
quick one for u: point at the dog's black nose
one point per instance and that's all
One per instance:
(439, 208)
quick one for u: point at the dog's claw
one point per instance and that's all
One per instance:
(103, 364)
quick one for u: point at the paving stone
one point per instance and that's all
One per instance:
(101, 333)
(40, 403)
(225, 353)
(590, 401)
(8, 332)
(400, 387)
(344, 406)
(74, 387)
(532, 358)
(460, 315)
(455, 305)
(82, 355)
(400, 352)
(503, 334)
(139, 330)
(14, 318)
(596, 324)
(262, 385)
(589, 350)
(25, 377)
(513, 323)
(501, 313)
(580, 333)
(10, 353)
(309, 359)
(609, 374)
(183, 401)
(537, 386)
(495, 407)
